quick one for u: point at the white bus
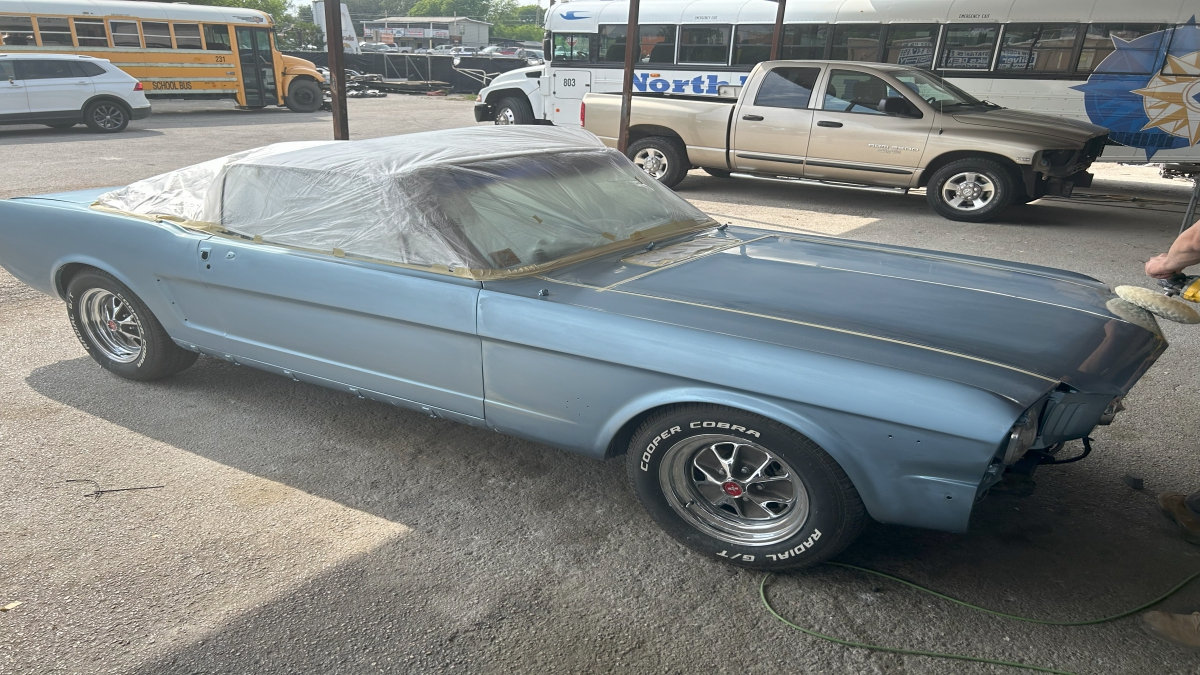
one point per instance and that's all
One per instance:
(1133, 67)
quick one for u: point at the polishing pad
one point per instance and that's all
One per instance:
(1133, 314)
(1158, 304)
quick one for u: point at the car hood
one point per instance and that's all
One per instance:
(1034, 123)
(1016, 330)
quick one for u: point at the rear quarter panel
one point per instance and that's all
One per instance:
(702, 125)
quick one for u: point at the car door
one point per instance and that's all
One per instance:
(408, 335)
(770, 132)
(14, 105)
(53, 87)
(853, 140)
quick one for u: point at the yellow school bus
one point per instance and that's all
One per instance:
(175, 50)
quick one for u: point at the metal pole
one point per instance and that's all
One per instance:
(337, 68)
(633, 49)
(1191, 208)
(777, 38)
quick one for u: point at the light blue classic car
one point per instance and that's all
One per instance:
(771, 390)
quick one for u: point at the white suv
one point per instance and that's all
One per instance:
(62, 90)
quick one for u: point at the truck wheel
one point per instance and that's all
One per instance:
(665, 159)
(716, 173)
(514, 110)
(119, 331)
(970, 190)
(303, 96)
(743, 488)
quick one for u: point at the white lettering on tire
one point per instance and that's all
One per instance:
(725, 425)
(645, 465)
(797, 550)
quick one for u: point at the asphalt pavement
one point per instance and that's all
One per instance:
(300, 530)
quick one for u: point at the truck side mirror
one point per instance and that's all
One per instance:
(899, 106)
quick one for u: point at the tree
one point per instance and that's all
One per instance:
(278, 9)
(515, 22)
(475, 9)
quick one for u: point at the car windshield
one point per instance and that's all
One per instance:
(534, 210)
(936, 91)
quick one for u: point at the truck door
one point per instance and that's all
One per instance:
(770, 130)
(853, 140)
(567, 88)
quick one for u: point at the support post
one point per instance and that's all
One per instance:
(633, 49)
(337, 69)
(777, 37)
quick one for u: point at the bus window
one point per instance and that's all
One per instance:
(125, 34)
(157, 34)
(187, 36)
(752, 44)
(704, 44)
(55, 31)
(787, 88)
(1037, 47)
(216, 37)
(16, 31)
(856, 42)
(968, 47)
(1182, 46)
(91, 33)
(1098, 43)
(612, 44)
(803, 42)
(911, 45)
(572, 47)
(658, 43)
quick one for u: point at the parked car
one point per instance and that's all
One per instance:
(62, 90)
(770, 390)
(463, 51)
(441, 49)
(870, 124)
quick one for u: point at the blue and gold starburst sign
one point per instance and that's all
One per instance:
(1147, 98)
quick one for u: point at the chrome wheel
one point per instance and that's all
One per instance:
(734, 490)
(108, 116)
(968, 191)
(652, 162)
(111, 325)
(505, 116)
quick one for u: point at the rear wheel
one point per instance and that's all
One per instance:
(514, 110)
(119, 332)
(106, 117)
(663, 158)
(743, 488)
(304, 96)
(970, 190)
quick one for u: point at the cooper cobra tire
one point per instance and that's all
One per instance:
(106, 117)
(304, 96)
(970, 190)
(786, 505)
(119, 332)
(513, 110)
(663, 158)
(716, 173)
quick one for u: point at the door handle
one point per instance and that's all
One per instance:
(827, 123)
(752, 118)
(81, 83)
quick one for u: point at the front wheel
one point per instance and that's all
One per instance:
(664, 159)
(743, 488)
(513, 110)
(304, 96)
(119, 332)
(970, 190)
(106, 117)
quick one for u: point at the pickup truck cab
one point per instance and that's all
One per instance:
(864, 124)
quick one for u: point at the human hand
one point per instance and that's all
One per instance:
(1159, 268)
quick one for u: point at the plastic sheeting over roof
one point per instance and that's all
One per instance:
(480, 201)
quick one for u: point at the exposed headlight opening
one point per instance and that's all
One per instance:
(1114, 406)
(1021, 438)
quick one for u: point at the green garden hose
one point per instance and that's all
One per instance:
(762, 592)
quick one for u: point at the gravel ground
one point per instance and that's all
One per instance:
(302, 530)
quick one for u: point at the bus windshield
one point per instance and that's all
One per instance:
(937, 91)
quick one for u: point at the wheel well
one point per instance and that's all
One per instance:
(624, 436)
(938, 162)
(303, 78)
(495, 96)
(107, 97)
(637, 133)
(63, 277)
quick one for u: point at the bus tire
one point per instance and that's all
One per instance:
(513, 110)
(106, 116)
(662, 157)
(971, 190)
(303, 96)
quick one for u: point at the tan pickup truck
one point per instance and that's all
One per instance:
(862, 124)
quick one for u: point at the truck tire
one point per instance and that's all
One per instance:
(118, 330)
(663, 158)
(514, 110)
(304, 96)
(742, 488)
(971, 190)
